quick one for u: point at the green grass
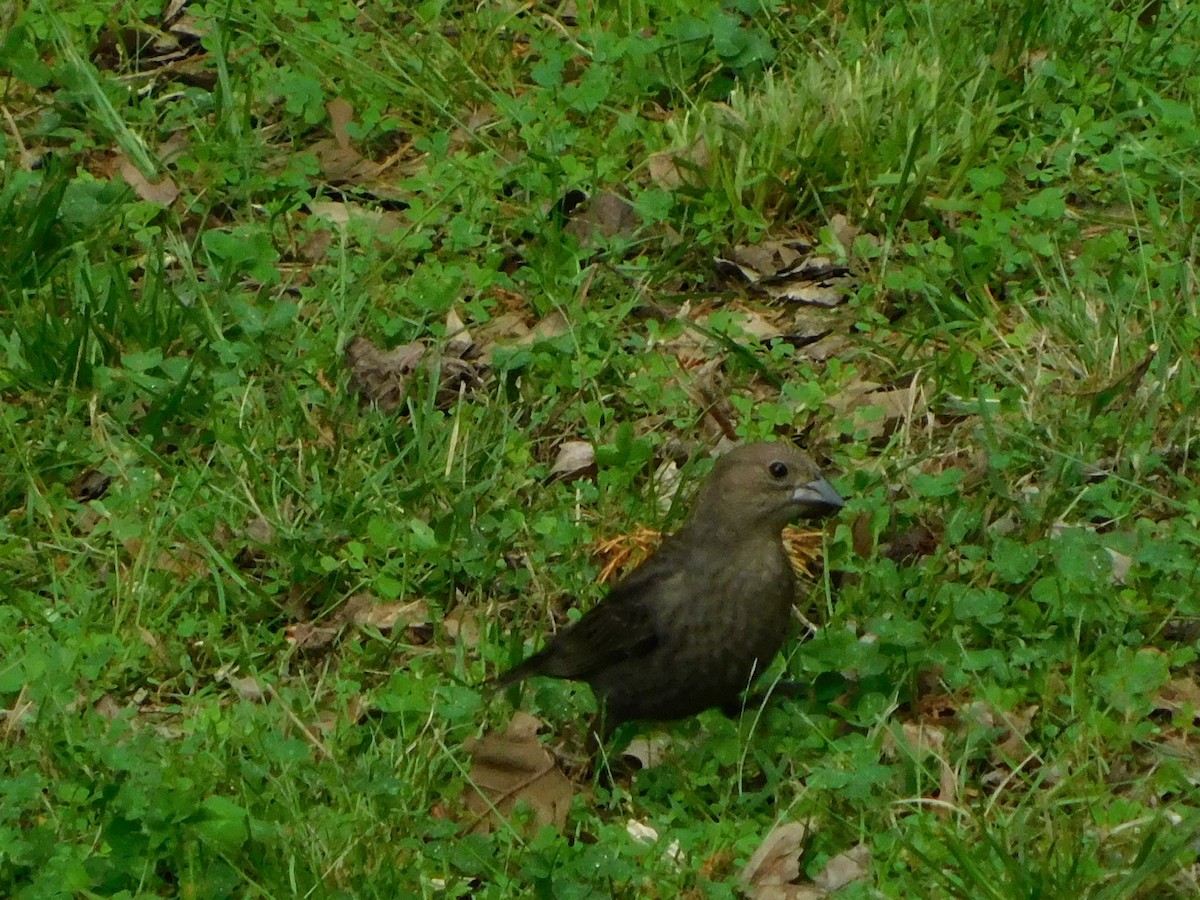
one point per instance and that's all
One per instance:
(186, 475)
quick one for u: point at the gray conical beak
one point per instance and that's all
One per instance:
(819, 492)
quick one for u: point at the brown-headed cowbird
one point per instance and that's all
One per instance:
(694, 624)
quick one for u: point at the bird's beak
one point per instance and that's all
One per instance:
(819, 492)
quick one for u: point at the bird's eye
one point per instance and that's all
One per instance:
(778, 470)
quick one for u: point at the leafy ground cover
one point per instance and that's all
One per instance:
(335, 338)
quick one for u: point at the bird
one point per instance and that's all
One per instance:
(692, 626)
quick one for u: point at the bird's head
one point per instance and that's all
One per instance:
(765, 485)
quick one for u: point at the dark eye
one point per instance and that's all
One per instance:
(778, 470)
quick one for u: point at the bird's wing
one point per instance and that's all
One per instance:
(622, 626)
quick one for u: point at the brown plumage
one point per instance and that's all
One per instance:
(695, 623)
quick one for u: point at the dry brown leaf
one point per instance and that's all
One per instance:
(90, 484)
(462, 626)
(360, 610)
(845, 868)
(757, 325)
(1180, 695)
(316, 246)
(341, 114)
(337, 156)
(671, 168)
(161, 193)
(1121, 564)
(806, 325)
(667, 480)
(381, 222)
(648, 752)
(831, 346)
(381, 376)
(844, 231)
(458, 338)
(245, 686)
(773, 872)
(515, 768)
(876, 411)
(788, 271)
(1014, 745)
(905, 548)
(13, 719)
(329, 719)
(260, 530)
(641, 832)
(776, 862)
(182, 560)
(308, 636)
(107, 707)
(552, 325)
(919, 741)
(606, 216)
(505, 330)
(365, 609)
(575, 459)
(464, 134)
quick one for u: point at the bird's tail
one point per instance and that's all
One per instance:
(512, 676)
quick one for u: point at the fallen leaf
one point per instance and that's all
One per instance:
(1180, 695)
(365, 609)
(669, 169)
(462, 626)
(843, 231)
(845, 868)
(245, 686)
(13, 719)
(361, 610)
(648, 752)
(1120, 566)
(906, 548)
(1014, 743)
(308, 636)
(920, 740)
(90, 484)
(776, 862)
(181, 560)
(575, 459)
(161, 193)
(604, 217)
(107, 707)
(466, 134)
(789, 271)
(667, 480)
(260, 531)
(458, 339)
(641, 832)
(552, 325)
(646, 834)
(875, 411)
(515, 768)
(340, 213)
(381, 376)
(341, 114)
(505, 330)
